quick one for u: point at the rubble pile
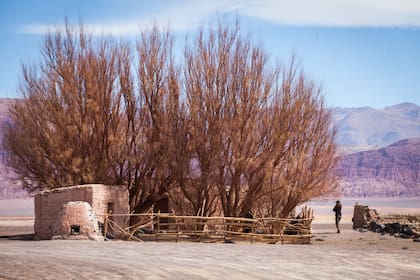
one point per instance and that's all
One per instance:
(403, 226)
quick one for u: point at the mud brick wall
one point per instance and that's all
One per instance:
(77, 221)
(111, 198)
(359, 216)
(48, 204)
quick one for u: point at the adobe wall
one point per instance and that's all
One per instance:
(77, 220)
(363, 215)
(103, 196)
(48, 204)
(359, 219)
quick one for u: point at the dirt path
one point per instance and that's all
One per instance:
(349, 255)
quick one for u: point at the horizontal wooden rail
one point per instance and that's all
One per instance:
(167, 226)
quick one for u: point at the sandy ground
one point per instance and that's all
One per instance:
(348, 255)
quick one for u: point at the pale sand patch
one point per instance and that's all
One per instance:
(16, 226)
(348, 255)
(17, 208)
(323, 209)
(16, 223)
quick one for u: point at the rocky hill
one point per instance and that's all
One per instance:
(9, 184)
(361, 129)
(392, 171)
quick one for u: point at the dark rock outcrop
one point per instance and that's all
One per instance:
(403, 226)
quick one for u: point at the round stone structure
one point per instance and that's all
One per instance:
(77, 220)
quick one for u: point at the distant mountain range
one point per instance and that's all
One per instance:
(380, 170)
(9, 185)
(375, 160)
(361, 129)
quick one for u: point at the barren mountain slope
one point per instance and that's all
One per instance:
(389, 171)
(9, 185)
(361, 129)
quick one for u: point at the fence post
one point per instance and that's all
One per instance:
(158, 223)
(252, 232)
(151, 219)
(105, 225)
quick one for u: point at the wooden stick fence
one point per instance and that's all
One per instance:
(170, 227)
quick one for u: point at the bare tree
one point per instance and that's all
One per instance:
(304, 154)
(259, 135)
(86, 117)
(234, 134)
(228, 84)
(160, 122)
(206, 73)
(65, 128)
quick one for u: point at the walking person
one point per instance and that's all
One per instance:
(337, 210)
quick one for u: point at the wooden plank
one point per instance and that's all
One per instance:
(207, 228)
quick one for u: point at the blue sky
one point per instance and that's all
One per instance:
(364, 53)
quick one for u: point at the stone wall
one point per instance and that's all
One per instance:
(49, 204)
(111, 198)
(363, 215)
(404, 226)
(77, 220)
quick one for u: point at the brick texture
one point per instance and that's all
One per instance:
(102, 198)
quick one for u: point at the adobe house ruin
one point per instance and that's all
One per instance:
(77, 212)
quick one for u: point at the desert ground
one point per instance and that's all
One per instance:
(348, 255)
